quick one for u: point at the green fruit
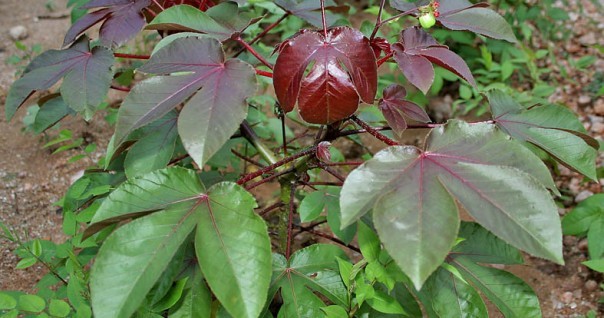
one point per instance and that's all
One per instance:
(427, 20)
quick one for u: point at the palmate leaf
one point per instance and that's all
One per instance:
(412, 193)
(342, 70)
(311, 269)
(394, 106)
(220, 21)
(123, 19)
(512, 296)
(415, 53)
(231, 242)
(214, 107)
(86, 77)
(552, 128)
(463, 15)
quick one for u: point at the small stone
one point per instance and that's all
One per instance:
(599, 107)
(591, 285)
(570, 240)
(584, 100)
(582, 246)
(567, 297)
(18, 33)
(583, 195)
(588, 39)
(597, 128)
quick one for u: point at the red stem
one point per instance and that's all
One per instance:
(131, 56)
(159, 5)
(378, 21)
(374, 132)
(270, 208)
(275, 165)
(264, 73)
(384, 59)
(323, 19)
(331, 171)
(268, 179)
(120, 88)
(250, 160)
(263, 33)
(331, 238)
(345, 163)
(254, 53)
(325, 183)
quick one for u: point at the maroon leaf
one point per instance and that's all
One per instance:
(342, 69)
(309, 10)
(380, 45)
(123, 19)
(393, 105)
(87, 75)
(417, 50)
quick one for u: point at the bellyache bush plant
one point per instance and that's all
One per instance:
(172, 229)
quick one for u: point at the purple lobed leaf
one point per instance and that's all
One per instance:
(87, 75)
(415, 52)
(393, 105)
(308, 10)
(216, 107)
(123, 19)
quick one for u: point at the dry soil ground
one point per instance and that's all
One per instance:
(31, 179)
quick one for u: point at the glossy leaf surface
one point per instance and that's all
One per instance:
(415, 53)
(463, 15)
(512, 296)
(342, 70)
(394, 106)
(450, 297)
(122, 20)
(234, 250)
(214, 107)
(552, 128)
(220, 21)
(313, 268)
(412, 193)
(86, 77)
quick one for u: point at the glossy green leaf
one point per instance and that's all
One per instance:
(86, 77)
(58, 308)
(7, 302)
(51, 111)
(313, 268)
(552, 128)
(595, 264)
(412, 191)
(385, 303)
(233, 250)
(451, 297)
(220, 21)
(31, 303)
(151, 192)
(133, 257)
(335, 311)
(26, 262)
(369, 243)
(311, 206)
(196, 301)
(172, 297)
(214, 107)
(509, 293)
(154, 150)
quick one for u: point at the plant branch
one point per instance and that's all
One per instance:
(131, 56)
(402, 14)
(250, 135)
(290, 222)
(331, 171)
(250, 160)
(253, 52)
(275, 165)
(270, 208)
(269, 178)
(378, 21)
(374, 132)
(264, 73)
(384, 59)
(331, 238)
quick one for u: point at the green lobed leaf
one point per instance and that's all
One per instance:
(312, 268)
(133, 258)
(451, 297)
(220, 21)
(233, 249)
(86, 77)
(412, 194)
(151, 192)
(552, 128)
(214, 107)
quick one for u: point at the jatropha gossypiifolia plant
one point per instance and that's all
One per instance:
(170, 216)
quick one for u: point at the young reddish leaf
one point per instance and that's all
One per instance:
(393, 105)
(123, 19)
(87, 75)
(309, 10)
(214, 107)
(413, 194)
(417, 50)
(343, 69)
(552, 128)
(380, 45)
(220, 21)
(463, 15)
